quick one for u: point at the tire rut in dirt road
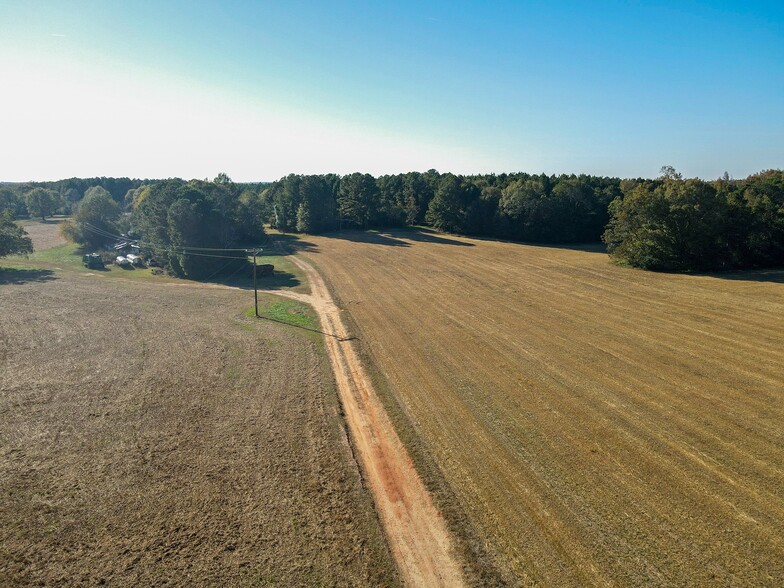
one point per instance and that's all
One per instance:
(416, 532)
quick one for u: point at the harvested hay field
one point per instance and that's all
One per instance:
(45, 235)
(580, 423)
(155, 435)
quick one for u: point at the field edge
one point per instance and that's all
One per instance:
(476, 561)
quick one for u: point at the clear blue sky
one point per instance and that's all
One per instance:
(261, 89)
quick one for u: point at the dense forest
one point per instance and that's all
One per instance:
(541, 208)
(664, 224)
(668, 223)
(687, 225)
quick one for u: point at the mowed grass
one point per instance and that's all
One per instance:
(580, 423)
(152, 434)
(286, 311)
(53, 252)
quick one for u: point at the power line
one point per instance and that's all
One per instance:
(178, 250)
(193, 252)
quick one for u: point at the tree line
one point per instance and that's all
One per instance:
(59, 197)
(539, 208)
(674, 224)
(669, 223)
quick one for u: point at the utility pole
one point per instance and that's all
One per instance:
(255, 290)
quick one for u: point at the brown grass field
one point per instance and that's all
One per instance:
(45, 235)
(151, 434)
(580, 423)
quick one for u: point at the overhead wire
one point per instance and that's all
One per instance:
(107, 234)
(182, 251)
(179, 250)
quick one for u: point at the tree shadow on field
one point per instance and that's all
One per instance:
(396, 237)
(370, 237)
(584, 247)
(425, 235)
(24, 276)
(588, 247)
(279, 280)
(775, 276)
(291, 244)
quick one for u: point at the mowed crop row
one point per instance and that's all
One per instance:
(596, 425)
(151, 434)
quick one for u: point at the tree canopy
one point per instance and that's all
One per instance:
(42, 202)
(11, 201)
(669, 223)
(677, 224)
(13, 238)
(195, 229)
(517, 206)
(95, 218)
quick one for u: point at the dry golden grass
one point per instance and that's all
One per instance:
(45, 235)
(588, 424)
(152, 434)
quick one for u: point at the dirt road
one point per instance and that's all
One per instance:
(415, 530)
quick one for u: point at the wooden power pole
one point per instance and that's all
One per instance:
(255, 289)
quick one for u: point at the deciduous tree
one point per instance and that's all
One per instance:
(41, 202)
(13, 238)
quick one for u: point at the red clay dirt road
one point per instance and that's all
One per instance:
(415, 530)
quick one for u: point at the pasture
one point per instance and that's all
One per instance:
(579, 423)
(151, 433)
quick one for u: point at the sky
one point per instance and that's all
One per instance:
(259, 89)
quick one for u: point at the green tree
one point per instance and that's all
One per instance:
(667, 172)
(761, 198)
(446, 211)
(8, 201)
(94, 220)
(223, 178)
(304, 222)
(518, 206)
(358, 199)
(191, 228)
(417, 194)
(284, 197)
(41, 202)
(671, 224)
(69, 197)
(13, 238)
(318, 196)
(391, 201)
(251, 215)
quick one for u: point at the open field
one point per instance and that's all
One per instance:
(152, 434)
(580, 423)
(45, 235)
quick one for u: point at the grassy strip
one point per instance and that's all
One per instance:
(69, 258)
(290, 312)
